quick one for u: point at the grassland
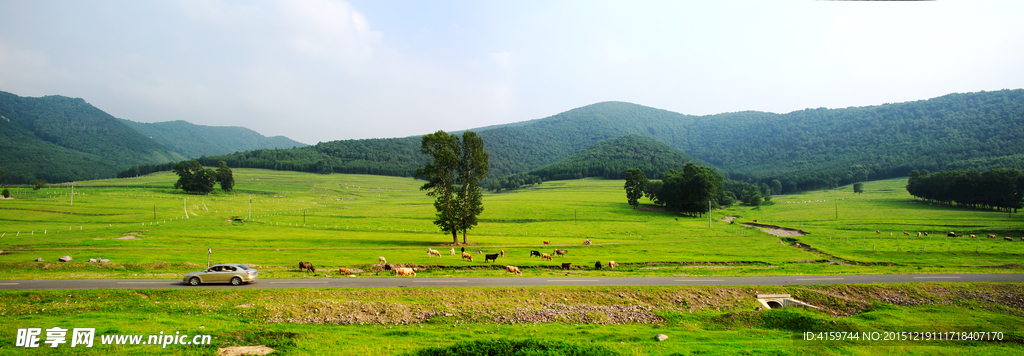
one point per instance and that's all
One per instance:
(148, 230)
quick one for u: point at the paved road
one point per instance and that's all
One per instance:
(365, 282)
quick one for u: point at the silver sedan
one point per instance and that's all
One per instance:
(234, 273)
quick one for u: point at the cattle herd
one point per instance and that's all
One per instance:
(383, 264)
(951, 234)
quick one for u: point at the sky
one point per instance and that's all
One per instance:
(324, 70)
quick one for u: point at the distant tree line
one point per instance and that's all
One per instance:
(1001, 189)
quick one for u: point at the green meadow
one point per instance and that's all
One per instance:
(148, 230)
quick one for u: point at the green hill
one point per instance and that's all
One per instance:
(806, 149)
(59, 139)
(611, 158)
(191, 140)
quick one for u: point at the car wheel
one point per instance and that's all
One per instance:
(194, 281)
(236, 281)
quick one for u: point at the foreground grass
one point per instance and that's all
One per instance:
(698, 320)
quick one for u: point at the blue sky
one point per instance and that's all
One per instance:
(322, 70)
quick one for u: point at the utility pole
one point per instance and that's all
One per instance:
(72, 195)
(250, 208)
(154, 211)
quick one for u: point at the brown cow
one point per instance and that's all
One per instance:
(306, 266)
(405, 271)
(432, 252)
(467, 256)
(991, 236)
(559, 252)
(612, 264)
(973, 237)
(925, 233)
(878, 232)
(513, 269)
(1007, 238)
(547, 242)
(344, 270)
(906, 233)
(545, 256)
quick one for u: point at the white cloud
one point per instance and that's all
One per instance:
(501, 59)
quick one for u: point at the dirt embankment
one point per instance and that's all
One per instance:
(616, 305)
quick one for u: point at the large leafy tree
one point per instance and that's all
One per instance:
(473, 167)
(453, 179)
(636, 184)
(194, 179)
(225, 177)
(441, 175)
(691, 190)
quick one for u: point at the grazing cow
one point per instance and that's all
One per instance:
(547, 242)
(950, 234)
(926, 233)
(597, 265)
(545, 256)
(798, 244)
(906, 233)
(1022, 238)
(973, 237)
(388, 267)
(959, 235)
(467, 256)
(432, 252)
(534, 253)
(612, 264)
(918, 234)
(344, 270)
(492, 257)
(382, 260)
(513, 269)
(1007, 238)
(566, 265)
(502, 253)
(991, 236)
(306, 266)
(452, 251)
(878, 232)
(559, 252)
(405, 271)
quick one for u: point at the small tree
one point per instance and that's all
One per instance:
(7, 193)
(858, 187)
(636, 183)
(38, 184)
(225, 177)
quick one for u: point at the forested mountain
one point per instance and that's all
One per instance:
(807, 149)
(191, 140)
(59, 139)
(611, 158)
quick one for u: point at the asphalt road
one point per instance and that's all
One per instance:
(511, 281)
